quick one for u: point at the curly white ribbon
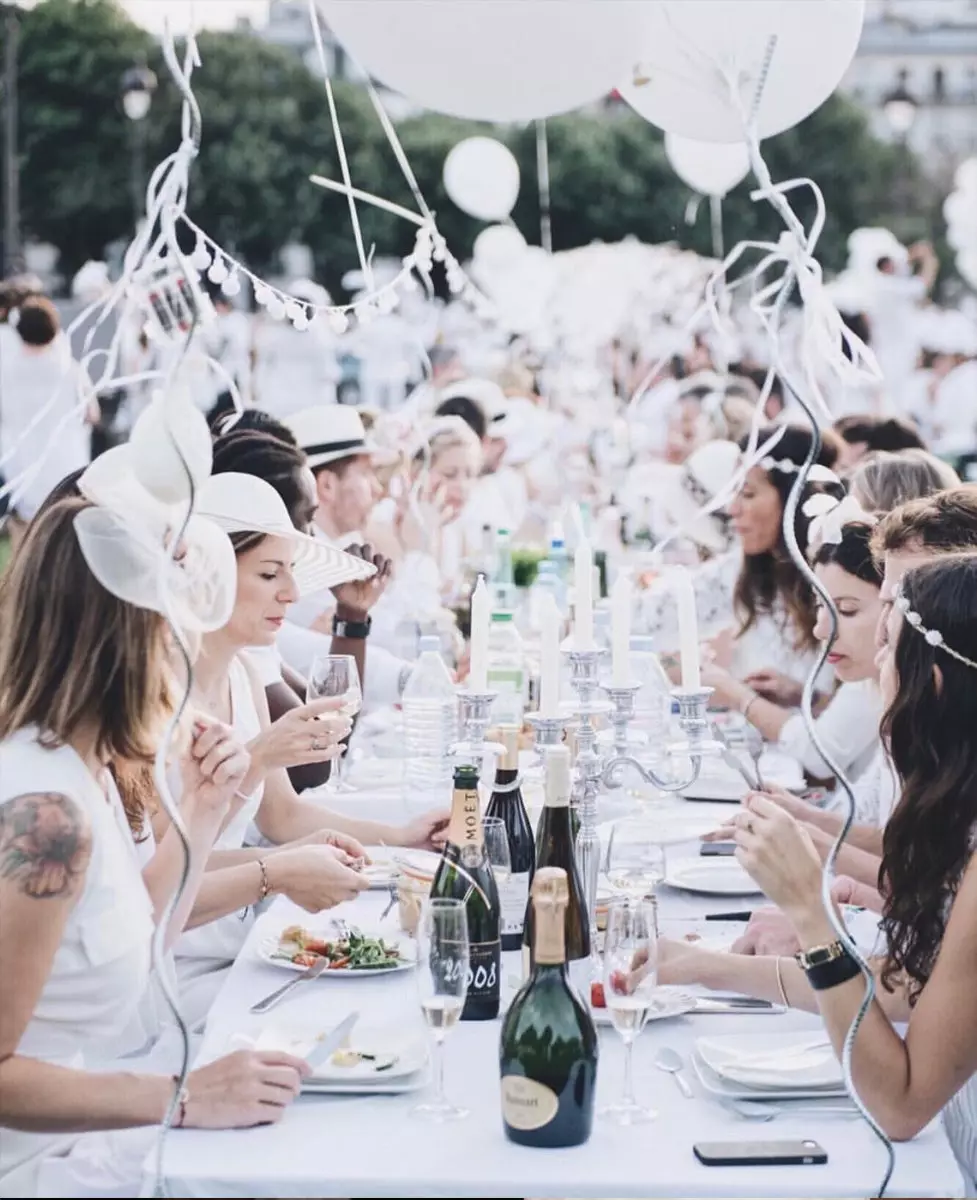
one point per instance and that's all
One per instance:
(829, 516)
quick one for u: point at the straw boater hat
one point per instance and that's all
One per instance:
(329, 432)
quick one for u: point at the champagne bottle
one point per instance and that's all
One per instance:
(555, 848)
(548, 1050)
(507, 804)
(465, 873)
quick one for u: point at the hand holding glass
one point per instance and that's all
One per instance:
(336, 675)
(630, 980)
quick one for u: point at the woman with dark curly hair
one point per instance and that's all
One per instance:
(928, 880)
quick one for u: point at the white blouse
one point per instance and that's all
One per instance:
(848, 728)
(102, 965)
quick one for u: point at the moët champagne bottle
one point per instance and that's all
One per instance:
(548, 1049)
(507, 804)
(465, 873)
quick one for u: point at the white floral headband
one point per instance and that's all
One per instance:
(817, 473)
(829, 516)
(933, 636)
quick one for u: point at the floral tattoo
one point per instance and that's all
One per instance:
(44, 844)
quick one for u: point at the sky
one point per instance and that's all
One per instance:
(208, 14)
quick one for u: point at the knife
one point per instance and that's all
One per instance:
(734, 1004)
(734, 760)
(323, 1050)
(312, 972)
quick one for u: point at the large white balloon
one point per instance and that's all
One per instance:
(498, 246)
(482, 177)
(689, 47)
(713, 168)
(491, 60)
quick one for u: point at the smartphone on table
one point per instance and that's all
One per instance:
(760, 1154)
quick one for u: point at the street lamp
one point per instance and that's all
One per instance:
(900, 107)
(137, 88)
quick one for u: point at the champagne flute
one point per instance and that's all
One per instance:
(497, 849)
(635, 862)
(336, 675)
(630, 980)
(442, 985)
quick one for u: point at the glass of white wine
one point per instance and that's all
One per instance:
(497, 849)
(336, 675)
(635, 861)
(442, 984)
(630, 980)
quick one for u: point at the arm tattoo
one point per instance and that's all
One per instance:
(44, 844)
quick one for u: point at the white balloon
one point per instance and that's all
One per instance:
(679, 83)
(491, 60)
(967, 266)
(966, 177)
(498, 246)
(155, 460)
(713, 168)
(482, 177)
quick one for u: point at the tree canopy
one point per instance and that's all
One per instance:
(266, 128)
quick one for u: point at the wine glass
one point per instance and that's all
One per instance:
(630, 979)
(336, 675)
(442, 985)
(635, 860)
(497, 849)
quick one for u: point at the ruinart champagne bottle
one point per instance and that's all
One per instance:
(548, 1050)
(555, 848)
(465, 873)
(507, 804)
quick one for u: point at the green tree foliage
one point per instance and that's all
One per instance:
(267, 128)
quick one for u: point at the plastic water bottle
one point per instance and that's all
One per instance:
(653, 703)
(430, 721)
(546, 583)
(503, 588)
(561, 561)
(507, 673)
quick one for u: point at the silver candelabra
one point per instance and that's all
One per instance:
(476, 712)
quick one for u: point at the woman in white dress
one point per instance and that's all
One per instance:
(315, 852)
(928, 977)
(753, 596)
(85, 691)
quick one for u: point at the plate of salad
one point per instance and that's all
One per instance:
(353, 953)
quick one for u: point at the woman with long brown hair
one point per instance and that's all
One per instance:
(928, 880)
(86, 688)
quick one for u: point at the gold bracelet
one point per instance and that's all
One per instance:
(265, 890)
(780, 982)
(182, 1100)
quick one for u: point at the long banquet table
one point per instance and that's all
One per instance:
(372, 1146)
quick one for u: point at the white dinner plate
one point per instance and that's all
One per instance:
(668, 827)
(382, 872)
(726, 1089)
(667, 1002)
(410, 1052)
(710, 877)
(773, 1062)
(267, 946)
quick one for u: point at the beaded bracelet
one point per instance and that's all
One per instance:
(182, 1101)
(265, 889)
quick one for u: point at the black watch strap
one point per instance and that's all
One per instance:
(351, 629)
(831, 974)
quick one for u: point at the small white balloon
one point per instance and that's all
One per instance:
(482, 177)
(274, 307)
(712, 168)
(200, 258)
(691, 50)
(498, 246)
(169, 439)
(967, 266)
(492, 60)
(966, 177)
(218, 271)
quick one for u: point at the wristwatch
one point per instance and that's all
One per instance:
(351, 629)
(827, 966)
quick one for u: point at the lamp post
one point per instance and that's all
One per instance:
(11, 177)
(137, 88)
(900, 107)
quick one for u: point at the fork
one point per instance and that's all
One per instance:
(393, 900)
(754, 1110)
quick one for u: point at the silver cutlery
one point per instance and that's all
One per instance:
(393, 900)
(671, 1062)
(731, 759)
(279, 994)
(734, 1004)
(755, 1110)
(754, 747)
(324, 1049)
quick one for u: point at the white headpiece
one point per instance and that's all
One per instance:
(787, 466)
(933, 636)
(829, 516)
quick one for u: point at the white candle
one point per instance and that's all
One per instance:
(688, 627)
(549, 666)
(621, 631)
(583, 617)
(481, 615)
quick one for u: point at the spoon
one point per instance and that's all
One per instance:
(672, 1064)
(754, 1110)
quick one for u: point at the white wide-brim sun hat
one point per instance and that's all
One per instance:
(246, 504)
(704, 474)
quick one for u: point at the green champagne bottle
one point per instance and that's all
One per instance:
(555, 847)
(548, 1050)
(465, 873)
(507, 804)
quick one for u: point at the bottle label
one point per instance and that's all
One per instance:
(510, 684)
(513, 898)
(465, 829)
(527, 1104)
(484, 959)
(550, 939)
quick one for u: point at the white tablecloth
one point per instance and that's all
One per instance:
(371, 1146)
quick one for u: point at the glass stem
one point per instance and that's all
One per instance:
(629, 1073)
(439, 1096)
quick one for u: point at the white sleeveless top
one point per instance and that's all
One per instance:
(213, 947)
(101, 968)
